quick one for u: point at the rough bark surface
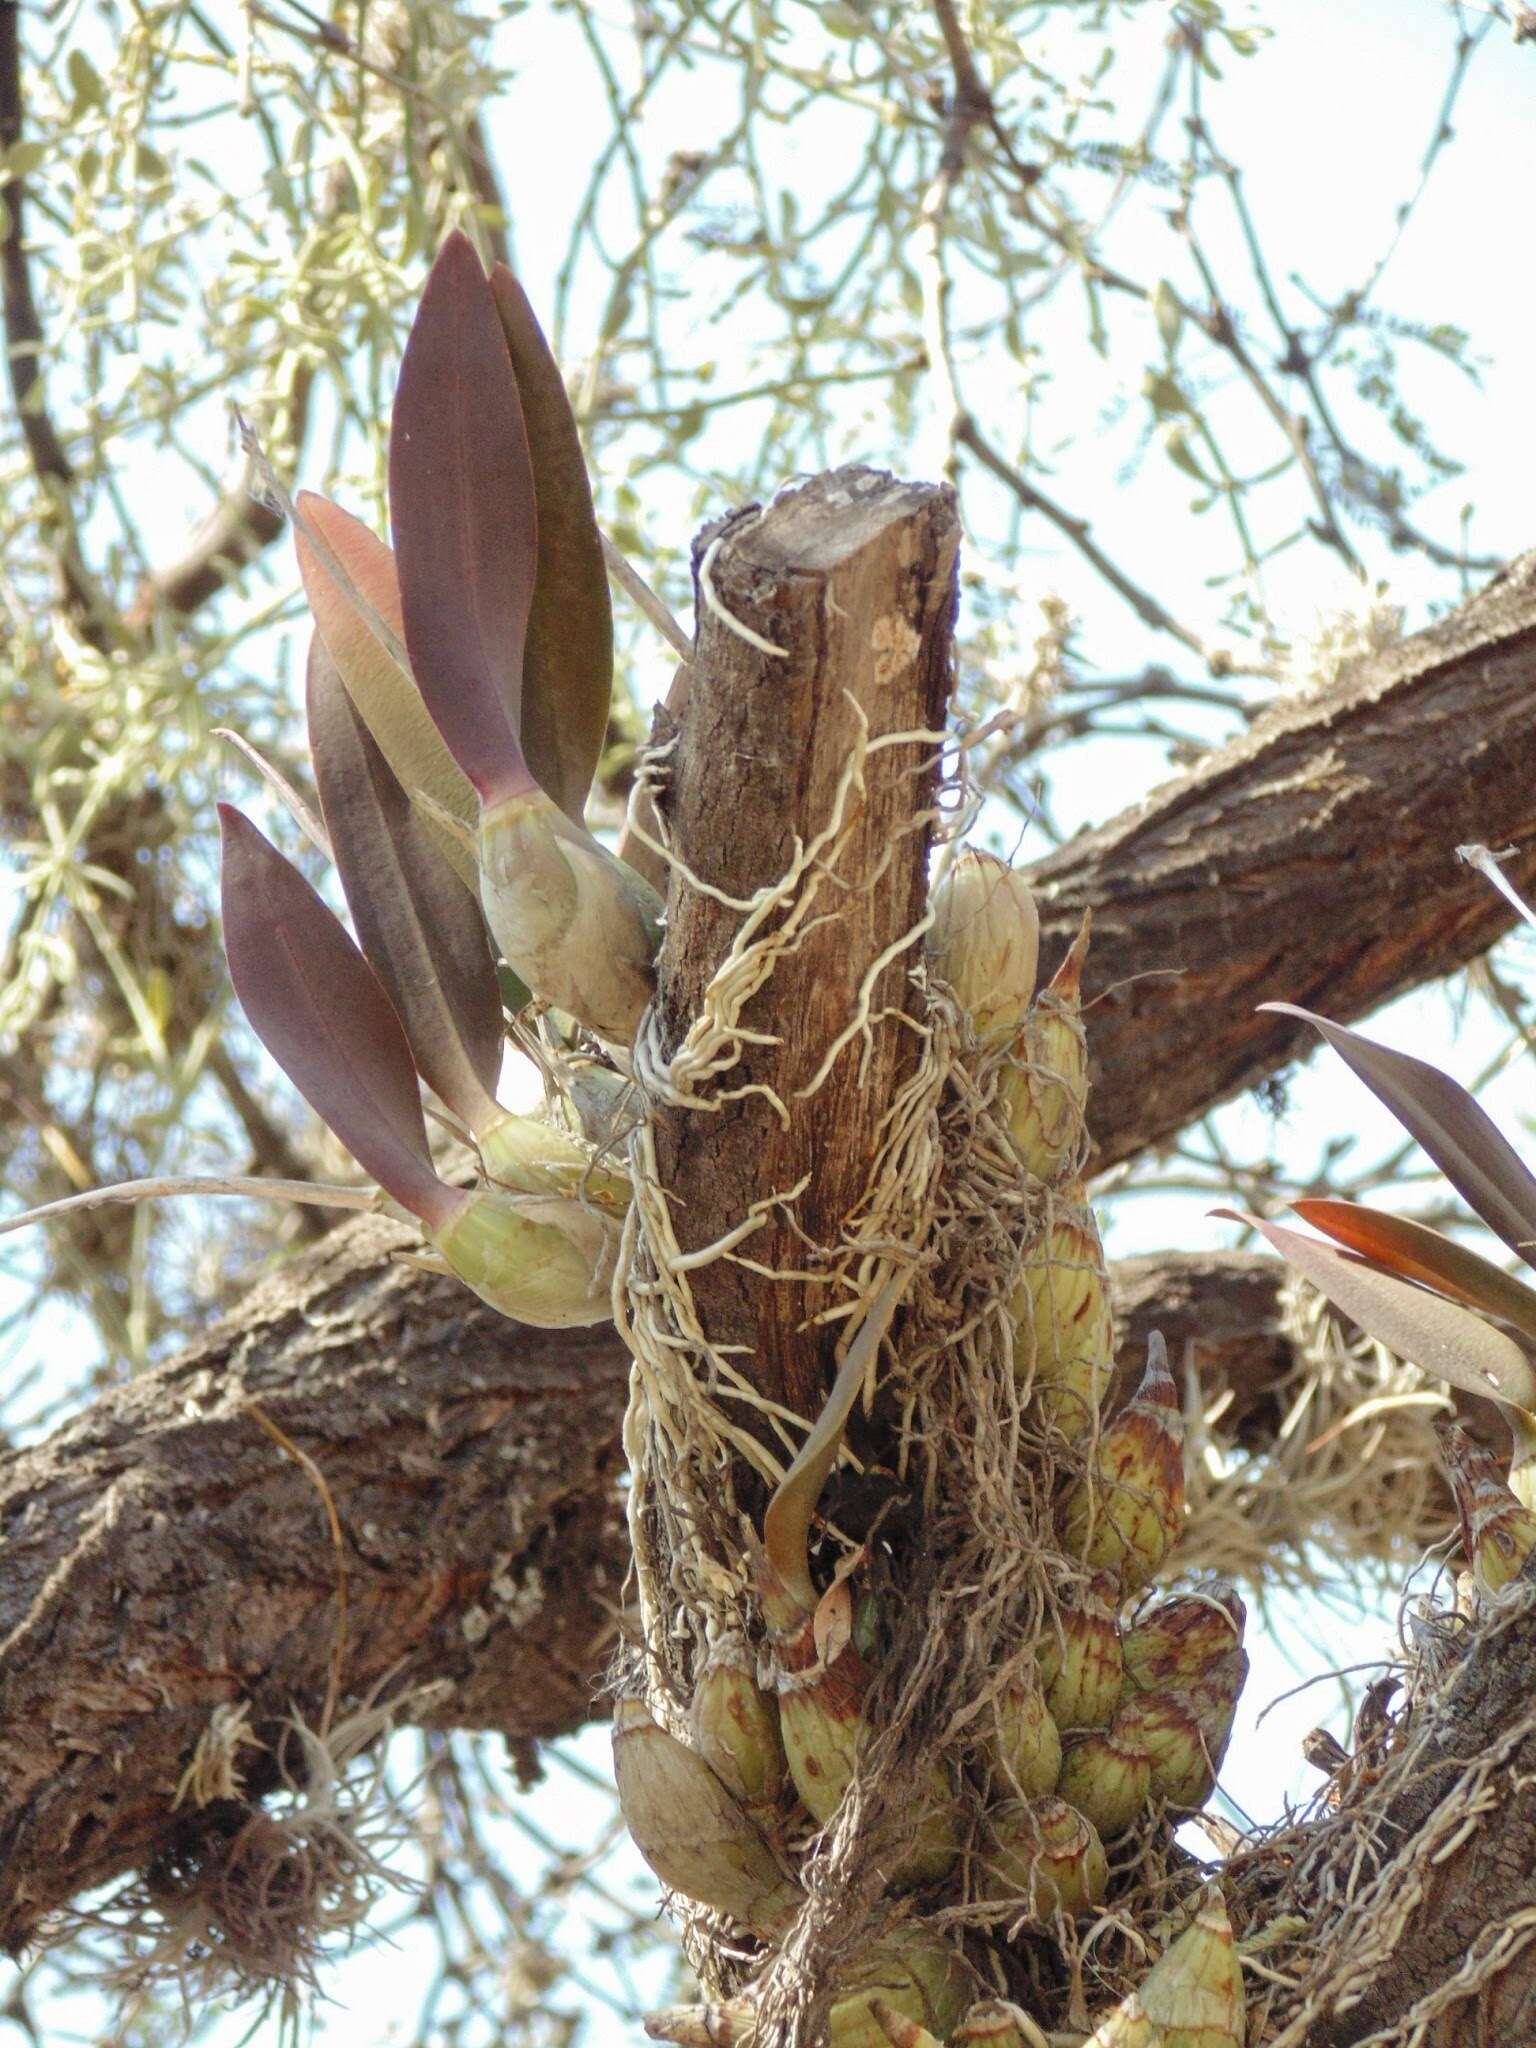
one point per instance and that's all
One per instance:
(1313, 860)
(164, 1555)
(853, 576)
(1463, 1890)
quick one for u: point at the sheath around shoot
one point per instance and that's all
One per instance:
(323, 1014)
(1023, 1742)
(1047, 1853)
(1045, 1089)
(1191, 1998)
(694, 1835)
(1166, 1726)
(1107, 1775)
(735, 1726)
(1498, 1533)
(997, 2023)
(911, 1972)
(1080, 1660)
(1178, 1642)
(1127, 1510)
(1063, 1325)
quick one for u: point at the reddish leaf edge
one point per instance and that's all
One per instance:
(1440, 1336)
(1415, 1252)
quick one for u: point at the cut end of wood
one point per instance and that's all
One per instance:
(813, 528)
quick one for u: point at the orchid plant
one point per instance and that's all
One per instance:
(458, 699)
(458, 695)
(1437, 1303)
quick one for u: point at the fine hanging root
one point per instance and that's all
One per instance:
(893, 1688)
(260, 1900)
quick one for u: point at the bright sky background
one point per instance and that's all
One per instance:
(1330, 123)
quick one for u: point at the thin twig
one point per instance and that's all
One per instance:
(250, 1187)
(635, 587)
(23, 326)
(25, 346)
(1142, 602)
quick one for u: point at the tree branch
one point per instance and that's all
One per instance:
(1434, 1942)
(240, 527)
(472, 1462)
(852, 576)
(162, 1556)
(24, 341)
(1147, 608)
(1313, 859)
(23, 326)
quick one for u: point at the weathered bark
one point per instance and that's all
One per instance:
(164, 1555)
(471, 1463)
(1312, 860)
(1446, 1890)
(853, 576)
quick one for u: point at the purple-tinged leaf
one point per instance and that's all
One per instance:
(461, 498)
(421, 931)
(383, 691)
(1436, 1335)
(568, 665)
(1462, 1140)
(316, 1005)
(1419, 1253)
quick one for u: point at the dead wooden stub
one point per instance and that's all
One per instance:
(852, 576)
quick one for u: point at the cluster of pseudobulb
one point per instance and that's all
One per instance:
(1120, 1709)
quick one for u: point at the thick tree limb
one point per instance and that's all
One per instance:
(1436, 1946)
(138, 1532)
(1313, 860)
(163, 1555)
